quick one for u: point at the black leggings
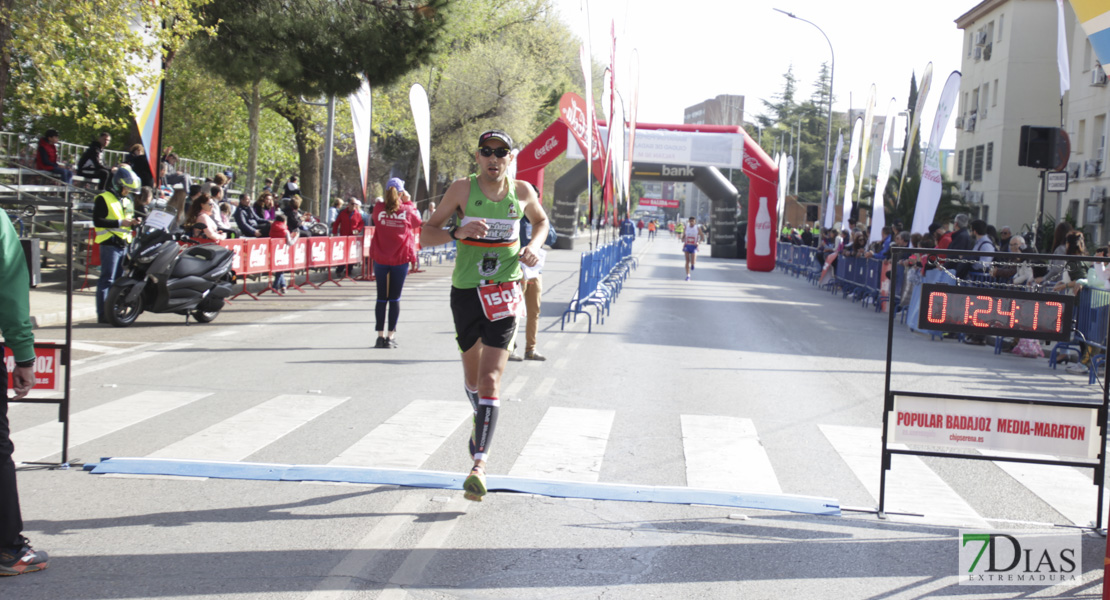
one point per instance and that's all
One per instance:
(390, 278)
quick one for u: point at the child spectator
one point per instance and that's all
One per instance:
(279, 230)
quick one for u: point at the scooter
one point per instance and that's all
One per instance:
(164, 274)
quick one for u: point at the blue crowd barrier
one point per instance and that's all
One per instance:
(601, 276)
(860, 278)
(1092, 312)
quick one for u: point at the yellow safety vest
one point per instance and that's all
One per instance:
(118, 210)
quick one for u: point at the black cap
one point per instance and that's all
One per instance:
(495, 134)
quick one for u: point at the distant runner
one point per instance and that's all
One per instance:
(485, 292)
(692, 235)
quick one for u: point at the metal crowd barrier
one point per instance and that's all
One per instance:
(601, 276)
(860, 279)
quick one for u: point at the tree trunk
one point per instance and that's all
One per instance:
(255, 108)
(5, 56)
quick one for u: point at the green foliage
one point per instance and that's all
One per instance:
(207, 119)
(71, 61)
(318, 48)
(781, 132)
(505, 64)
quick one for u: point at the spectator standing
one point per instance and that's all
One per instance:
(16, 555)
(91, 163)
(1004, 235)
(651, 227)
(293, 216)
(348, 222)
(291, 188)
(533, 293)
(428, 212)
(137, 159)
(46, 156)
(333, 211)
(113, 218)
(392, 249)
(279, 230)
(640, 227)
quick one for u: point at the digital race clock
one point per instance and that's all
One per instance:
(996, 312)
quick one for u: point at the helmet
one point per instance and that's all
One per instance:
(125, 180)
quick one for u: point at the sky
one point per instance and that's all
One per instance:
(694, 50)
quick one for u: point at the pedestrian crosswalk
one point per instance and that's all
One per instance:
(720, 452)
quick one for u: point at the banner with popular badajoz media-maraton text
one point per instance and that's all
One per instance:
(1061, 431)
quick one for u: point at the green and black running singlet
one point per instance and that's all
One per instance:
(495, 257)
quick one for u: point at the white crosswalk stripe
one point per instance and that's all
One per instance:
(1069, 491)
(408, 438)
(239, 436)
(43, 441)
(568, 444)
(724, 453)
(914, 489)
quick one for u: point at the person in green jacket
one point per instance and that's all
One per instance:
(16, 554)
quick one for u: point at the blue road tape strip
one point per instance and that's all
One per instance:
(453, 481)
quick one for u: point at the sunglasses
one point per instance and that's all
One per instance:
(487, 152)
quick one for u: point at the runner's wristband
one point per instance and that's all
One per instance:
(451, 232)
(25, 363)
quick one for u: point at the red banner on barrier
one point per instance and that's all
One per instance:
(337, 251)
(47, 362)
(236, 247)
(300, 254)
(317, 252)
(256, 256)
(354, 250)
(367, 235)
(281, 256)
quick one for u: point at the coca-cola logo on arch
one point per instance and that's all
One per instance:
(547, 146)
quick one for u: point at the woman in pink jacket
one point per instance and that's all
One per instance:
(396, 225)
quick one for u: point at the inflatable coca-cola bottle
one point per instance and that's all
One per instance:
(761, 236)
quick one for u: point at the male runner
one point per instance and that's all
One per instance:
(691, 237)
(485, 287)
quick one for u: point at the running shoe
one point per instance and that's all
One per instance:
(474, 488)
(1077, 369)
(16, 561)
(515, 357)
(390, 343)
(533, 355)
(381, 343)
(687, 278)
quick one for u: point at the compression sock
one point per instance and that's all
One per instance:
(471, 395)
(485, 420)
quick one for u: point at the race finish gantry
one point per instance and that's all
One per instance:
(682, 153)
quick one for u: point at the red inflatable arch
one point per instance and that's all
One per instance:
(761, 171)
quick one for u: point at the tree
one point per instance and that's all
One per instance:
(503, 64)
(72, 60)
(310, 49)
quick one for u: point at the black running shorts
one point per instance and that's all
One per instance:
(472, 325)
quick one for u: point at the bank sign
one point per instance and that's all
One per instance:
(1019, 558)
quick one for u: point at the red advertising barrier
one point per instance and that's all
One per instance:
(236, 247)
(47, 363)
(281, 255)
(256, 256)
(367, 273)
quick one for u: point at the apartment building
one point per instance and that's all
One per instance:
(1010, 79)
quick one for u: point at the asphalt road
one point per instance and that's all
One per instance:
(752, 382)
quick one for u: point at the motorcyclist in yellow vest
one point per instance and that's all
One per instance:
(113, 218)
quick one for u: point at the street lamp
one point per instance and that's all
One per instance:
(828, 127)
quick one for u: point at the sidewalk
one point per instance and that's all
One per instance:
(48, 300)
